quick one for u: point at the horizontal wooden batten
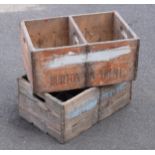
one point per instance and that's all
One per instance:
(79, 51)
(65, 115)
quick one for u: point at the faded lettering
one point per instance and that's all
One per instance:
(117, 89)
(88, 105)
(65, 79)
(112, 73)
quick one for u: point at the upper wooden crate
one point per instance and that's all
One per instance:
(73, 52)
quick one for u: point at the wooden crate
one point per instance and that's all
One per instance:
(65, 115)
(74, 52)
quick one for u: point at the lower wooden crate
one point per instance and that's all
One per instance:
(64, 115)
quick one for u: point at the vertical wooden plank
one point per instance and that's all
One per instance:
(26, 53)
(95, 27)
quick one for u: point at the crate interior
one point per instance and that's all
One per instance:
(66, 95)
(48, 33)
(63, 95)
(102, 27)
(56, 32)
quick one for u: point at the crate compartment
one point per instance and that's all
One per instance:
(112, 48)
(46, 40)
(49, 33)
(101, 27)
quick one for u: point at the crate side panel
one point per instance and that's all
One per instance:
(111, 63)
(81, 113)
(113, 98)
(60, 69)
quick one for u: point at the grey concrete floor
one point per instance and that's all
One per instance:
(130, 128)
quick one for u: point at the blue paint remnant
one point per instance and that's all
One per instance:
(115, 90)
(90, 104)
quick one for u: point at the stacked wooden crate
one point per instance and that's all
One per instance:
(79, 71)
